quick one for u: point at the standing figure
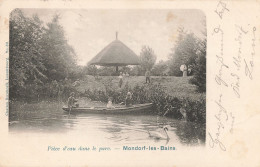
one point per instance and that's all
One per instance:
(147, 76)
(184, 69)
(120, 80)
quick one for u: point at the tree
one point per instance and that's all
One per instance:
(26, 53)
(199, 77)
(136, 71)
(160, 68)
(38, 56)
(106, 71)
(90, 70)
(147, 58)
(199, 67)
(59, 55)
(184, 52)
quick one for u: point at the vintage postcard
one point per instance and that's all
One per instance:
(130, 83)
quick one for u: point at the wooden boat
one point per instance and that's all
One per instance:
(135, 109)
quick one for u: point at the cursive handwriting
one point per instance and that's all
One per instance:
(241, 29)
(235, 85)
(221, 8)
(253, 47)
(218, 78)
(220, 81)
(237, 59)
(216, 31)
(248, 72)
(220, 125)
(249, 67)
(221, 110)
(212, 142)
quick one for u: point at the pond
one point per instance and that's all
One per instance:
(117, 130)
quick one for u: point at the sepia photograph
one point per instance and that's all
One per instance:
(129, 83)
(128, 78)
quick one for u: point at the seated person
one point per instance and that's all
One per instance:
(110, 104)
(128, 100)
(72, 100)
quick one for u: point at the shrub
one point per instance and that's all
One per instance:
(164, 104)
(199, 77)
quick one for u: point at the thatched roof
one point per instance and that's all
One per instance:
(115, 54)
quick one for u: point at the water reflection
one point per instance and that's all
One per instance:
(113, 129)
(190, 133)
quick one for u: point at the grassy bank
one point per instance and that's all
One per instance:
(170, 95)
(174, 86)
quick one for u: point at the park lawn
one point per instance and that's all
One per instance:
(175, 86)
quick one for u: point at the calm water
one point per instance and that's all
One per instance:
(45, 118)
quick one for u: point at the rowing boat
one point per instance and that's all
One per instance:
(134, 109)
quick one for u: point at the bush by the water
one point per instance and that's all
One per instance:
(164, 104)
(199, 78)
(53, 91)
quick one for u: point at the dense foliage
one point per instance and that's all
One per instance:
(184, 52)
(160, 69)
(199, 70)
(191, 51)
(41, 60)
(147, 58)
(43, 66)
(199, 67)
(111, 71)
(164, 104)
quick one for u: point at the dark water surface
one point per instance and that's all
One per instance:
(49, 118)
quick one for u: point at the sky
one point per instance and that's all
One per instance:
(89, 31)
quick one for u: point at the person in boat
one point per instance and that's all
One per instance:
(110, 104)
(72, 101)
(128, 100)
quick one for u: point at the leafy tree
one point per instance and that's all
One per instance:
(126, 69)
(76, 73)
(90, 70)
(199, 77)
(39, 56)
(160, 68)
(184, 52)
(147, 58)
(106, 71)
(199, 67)
(59, 55)
(136, 71)
(25, 52)
(191, 51)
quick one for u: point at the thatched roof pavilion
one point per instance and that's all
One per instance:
(115, 54)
